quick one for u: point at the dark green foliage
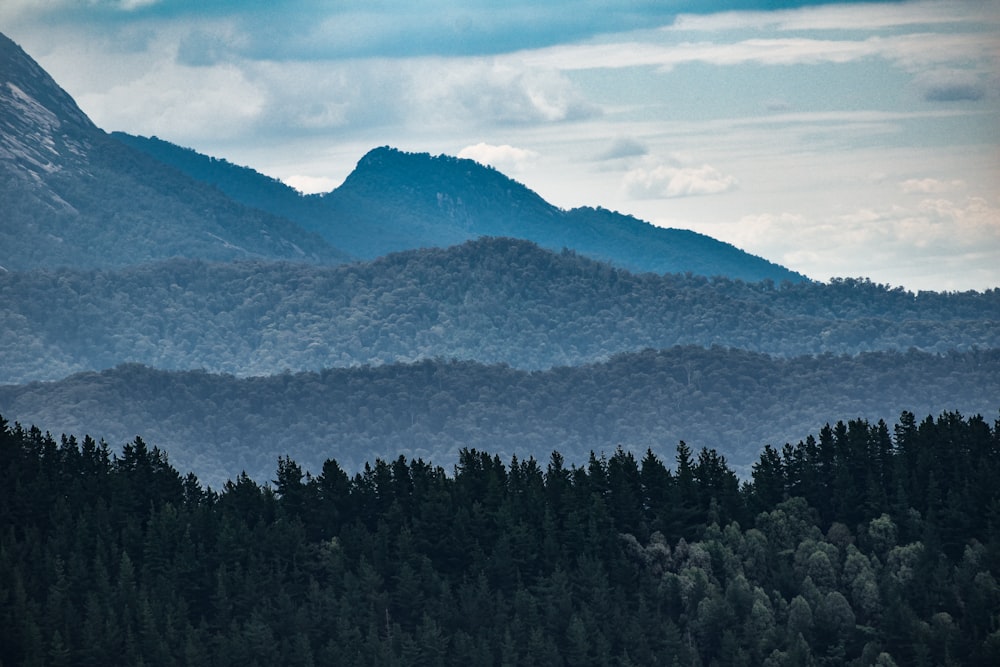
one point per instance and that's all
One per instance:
(492, 300)
(116, 559)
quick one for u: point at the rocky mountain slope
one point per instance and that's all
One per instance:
(73, 196)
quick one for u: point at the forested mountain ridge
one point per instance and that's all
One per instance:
(864, 544)
(70, 195)
(395, 201)
(730, 400)
(490, 300)
(242, 184)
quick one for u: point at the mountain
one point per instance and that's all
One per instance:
(416, 198)
(730, 400)
(396, 201)
(491, 300)
(74, 196)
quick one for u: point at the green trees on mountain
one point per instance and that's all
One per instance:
(868, 544)
(729, 400)
(493, 300)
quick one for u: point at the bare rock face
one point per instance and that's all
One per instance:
(42, 130)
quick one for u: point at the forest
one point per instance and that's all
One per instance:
(492, 300)
(729, 400)
(865, 544)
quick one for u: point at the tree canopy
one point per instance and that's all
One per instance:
(116, 558)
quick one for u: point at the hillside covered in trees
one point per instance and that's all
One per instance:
(729, 400)
(867, 544)
(491, 300)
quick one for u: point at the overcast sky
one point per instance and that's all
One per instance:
(836, 139)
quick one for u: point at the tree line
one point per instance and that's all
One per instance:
(868, 544)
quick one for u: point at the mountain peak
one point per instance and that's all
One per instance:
(39, 121)
(436, 174)
(418, 200)
(24, 82)
(75, 196)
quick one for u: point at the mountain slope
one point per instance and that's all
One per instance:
(73, 196)
(491, 300)
(396, 201)
(420, 195)
(218, 425)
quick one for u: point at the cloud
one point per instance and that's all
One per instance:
(311, 184)
(505, 158)
(624, 147)
(425, 94)
(304, 30)
(930, 186)
(203, 45)
(667, 181)
(663, 49)
(949, 85)
(129, 5)
(310, 30)
(829, 16)
(484, 91)
(939, 243)
(777, 104)
(179, 102)
(186, 86)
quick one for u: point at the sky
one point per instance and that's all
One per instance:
(837, 139)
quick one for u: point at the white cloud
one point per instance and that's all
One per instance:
(930, 185)
(937, 244)
(24, 10)
(505, 158)
(974, 220)
(423, 94)
(487, 90)
(833, 17)
(666, 181)
(181, 103)
(911, 50)
(129, 5)
(311, 184)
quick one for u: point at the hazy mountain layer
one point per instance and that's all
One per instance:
(73, 196)
(397, 201)
(492, 300)
(218, 425)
